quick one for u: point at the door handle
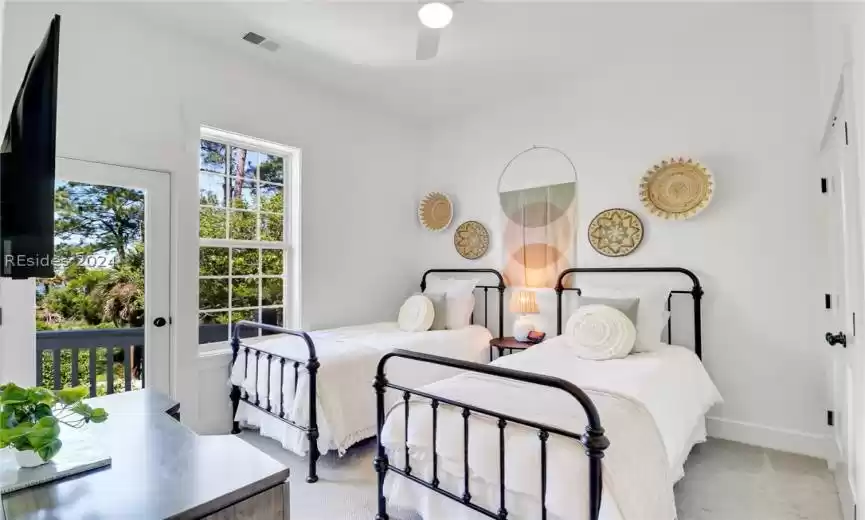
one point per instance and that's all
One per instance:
(836, 339)
(159, 322)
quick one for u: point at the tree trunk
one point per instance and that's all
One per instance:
(238, 173)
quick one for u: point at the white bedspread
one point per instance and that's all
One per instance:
(650, 404)
(345, 397)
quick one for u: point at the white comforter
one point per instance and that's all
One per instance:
(349, 357)
(650, 405)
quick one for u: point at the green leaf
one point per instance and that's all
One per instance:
(69, 396)
(8, 419)
(83, 409)
(14, 436)
(47, 422)
(42, 410)
(43, 434)
(37, 394)
(99, 415)
(49, 450)
(13, 394)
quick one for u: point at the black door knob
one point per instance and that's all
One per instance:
(159, 322)
(836, 339)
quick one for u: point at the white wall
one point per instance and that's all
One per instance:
(17, 298)
(135, 95)
(731, 86)
(16, 301)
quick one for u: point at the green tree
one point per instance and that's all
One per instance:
(94, 218)
(73, 298)
(121, 293)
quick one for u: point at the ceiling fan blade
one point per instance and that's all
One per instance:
(427, 43)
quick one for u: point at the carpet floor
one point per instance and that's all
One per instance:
(724, 481)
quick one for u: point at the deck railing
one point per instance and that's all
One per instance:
(81, 356)
(95, 356)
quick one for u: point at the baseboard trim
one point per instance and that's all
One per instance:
(791, 441)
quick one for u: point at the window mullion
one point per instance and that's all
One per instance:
(229, 150)
(230, 289)
(259, 244)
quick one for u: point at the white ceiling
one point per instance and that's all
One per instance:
(491, 52)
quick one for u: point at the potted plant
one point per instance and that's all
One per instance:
(30, 420)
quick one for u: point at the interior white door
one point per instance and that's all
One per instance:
(157, 242)
(844, 237)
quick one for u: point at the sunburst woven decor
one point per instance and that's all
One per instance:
(435, 211)
(677, 188)
(471, 240)
(615, 232)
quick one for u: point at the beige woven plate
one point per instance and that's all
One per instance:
(435, 211)
(677, 188)
(471, 240)
(615, 232)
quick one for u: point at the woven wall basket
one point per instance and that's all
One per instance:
(472, 240)
(615, 232)
(677, 188)
(435, 211)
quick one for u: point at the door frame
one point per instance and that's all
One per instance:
(157, 185)
(842, 118)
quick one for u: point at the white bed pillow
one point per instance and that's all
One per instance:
(652, 315)
(416, 314)
(629, 306)
(440, 306)
(460, 299)
(653, 337)
(599, 332)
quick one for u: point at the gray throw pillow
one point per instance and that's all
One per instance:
(628, 306)
(440, 305)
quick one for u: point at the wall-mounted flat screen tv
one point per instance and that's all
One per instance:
(27, 168)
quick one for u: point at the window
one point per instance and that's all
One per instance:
(246, 250)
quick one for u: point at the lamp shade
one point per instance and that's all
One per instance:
(524, 302)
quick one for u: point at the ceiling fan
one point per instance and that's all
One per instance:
(434, 17)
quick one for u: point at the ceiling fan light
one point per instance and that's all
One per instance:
(435, 15)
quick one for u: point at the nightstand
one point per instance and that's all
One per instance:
(509, 344)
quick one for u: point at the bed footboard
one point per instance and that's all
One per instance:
(266, 405)
(593, 439)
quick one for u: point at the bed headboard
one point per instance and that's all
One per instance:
(696, 293)
(500, 287)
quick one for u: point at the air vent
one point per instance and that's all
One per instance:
(261, 41)
(254, 38)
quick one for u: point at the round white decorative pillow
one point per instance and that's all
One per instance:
(600, 332)
(416, 314)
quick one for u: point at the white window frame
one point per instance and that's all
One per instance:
(290, 244)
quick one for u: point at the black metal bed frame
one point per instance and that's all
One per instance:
(500, 287)
(696, 293)
(311, 365)
(593, 439)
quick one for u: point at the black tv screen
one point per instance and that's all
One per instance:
(27, 168)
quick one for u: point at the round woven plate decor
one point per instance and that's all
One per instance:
(615, 232)
(435, 211)
(677, 188)
(471, 240)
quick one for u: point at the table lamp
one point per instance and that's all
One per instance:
(523, 303)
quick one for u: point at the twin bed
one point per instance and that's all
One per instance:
(312, 391)
(526, 436)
